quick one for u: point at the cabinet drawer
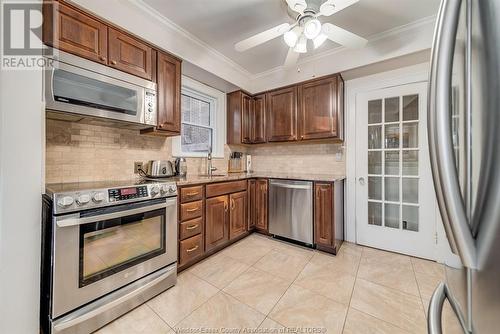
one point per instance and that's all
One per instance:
(190, 249)
(190, 194)
(191, 210)
(222, 188)
(191, 227)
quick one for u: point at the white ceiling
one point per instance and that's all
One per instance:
(222, 23)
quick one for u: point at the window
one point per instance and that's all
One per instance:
(203, 112)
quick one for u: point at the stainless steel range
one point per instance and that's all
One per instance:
(107, 247)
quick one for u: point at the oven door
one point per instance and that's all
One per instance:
(98, 251)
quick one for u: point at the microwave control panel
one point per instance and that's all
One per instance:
(150, 107)
(122, 194)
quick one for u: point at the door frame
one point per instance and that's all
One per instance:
(402, 76)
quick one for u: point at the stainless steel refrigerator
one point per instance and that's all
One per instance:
(464, 139)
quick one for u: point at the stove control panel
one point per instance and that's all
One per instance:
(122, 194)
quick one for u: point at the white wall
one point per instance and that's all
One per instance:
(20, 199)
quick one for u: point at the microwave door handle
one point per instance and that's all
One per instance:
(435, 311)
(443, 166)
(74, 220)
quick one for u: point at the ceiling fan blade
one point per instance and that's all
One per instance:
(342, 36)
(262, 37)
(291, 58)
(297, 5)
(331, 7)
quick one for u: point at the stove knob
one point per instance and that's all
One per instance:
(172, 189)
(98, 197)
(83, 199)
(154, 191)
(163, 189)
(65, 201)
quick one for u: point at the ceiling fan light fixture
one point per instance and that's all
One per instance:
(290, 38)
(319, 40)
(301, 46)
(312, 28)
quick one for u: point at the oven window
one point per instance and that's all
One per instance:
(110, 246)
(77, 89)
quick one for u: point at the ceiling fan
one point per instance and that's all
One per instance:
(307, 27)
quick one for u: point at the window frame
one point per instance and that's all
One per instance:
(217, 100)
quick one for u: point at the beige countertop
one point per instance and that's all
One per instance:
(197, 179)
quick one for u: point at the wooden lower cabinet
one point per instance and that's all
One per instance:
(216, 221)
(261, 190)
(328, 215)
(237, 214)
(251, 204)
(190, 249)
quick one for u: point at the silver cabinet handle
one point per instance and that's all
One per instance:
(435, 312)
(362, 181)
(444, 172)
(291, 186)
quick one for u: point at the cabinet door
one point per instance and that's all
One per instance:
(169, 93)
(130, 55)
(319, 109)
(72, 31)
(246, 118)
(282, 114)
(323, 214)
(261, 205)
(251, 204)
(216, 223)
(259, 119)
(238, 214)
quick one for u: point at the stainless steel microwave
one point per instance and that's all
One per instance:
(79, 89)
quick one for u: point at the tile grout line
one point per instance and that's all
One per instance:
(419, 290)
(353, 286)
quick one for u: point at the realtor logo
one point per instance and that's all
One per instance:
(22, 44)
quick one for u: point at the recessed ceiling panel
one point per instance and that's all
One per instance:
(222, 23)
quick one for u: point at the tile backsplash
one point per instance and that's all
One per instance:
(304, 157)
(78, 152)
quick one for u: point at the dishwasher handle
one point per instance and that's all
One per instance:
(291, 186)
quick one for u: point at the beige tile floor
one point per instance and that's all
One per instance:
(265, 284)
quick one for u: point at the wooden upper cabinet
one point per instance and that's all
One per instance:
(129, 54)
(238, 214)
(72, 31)
(324, 233)
(246, 118)
(282, 114)
(261, 190)
(169, 93)
(234, 117)
(321, 108)
(258, 124)
(216, 222)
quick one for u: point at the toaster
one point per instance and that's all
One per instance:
(159, 168)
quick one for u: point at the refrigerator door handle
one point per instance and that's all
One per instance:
(435, 312)
(451, 204)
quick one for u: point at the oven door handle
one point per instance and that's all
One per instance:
(74, 220)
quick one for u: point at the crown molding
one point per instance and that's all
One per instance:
(147, 9)
(371, 39)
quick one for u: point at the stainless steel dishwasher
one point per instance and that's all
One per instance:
(290, 209)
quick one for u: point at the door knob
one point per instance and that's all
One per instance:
(362, 181)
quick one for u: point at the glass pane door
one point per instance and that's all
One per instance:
(393, 162)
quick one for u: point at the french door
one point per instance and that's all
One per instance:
(395, 201)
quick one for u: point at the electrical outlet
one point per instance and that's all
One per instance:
(137, 166)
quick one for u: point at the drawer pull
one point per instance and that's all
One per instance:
(195, 193)
(192, 249)
(192, 227)
(192, 210)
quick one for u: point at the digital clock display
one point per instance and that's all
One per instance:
(128, 191)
